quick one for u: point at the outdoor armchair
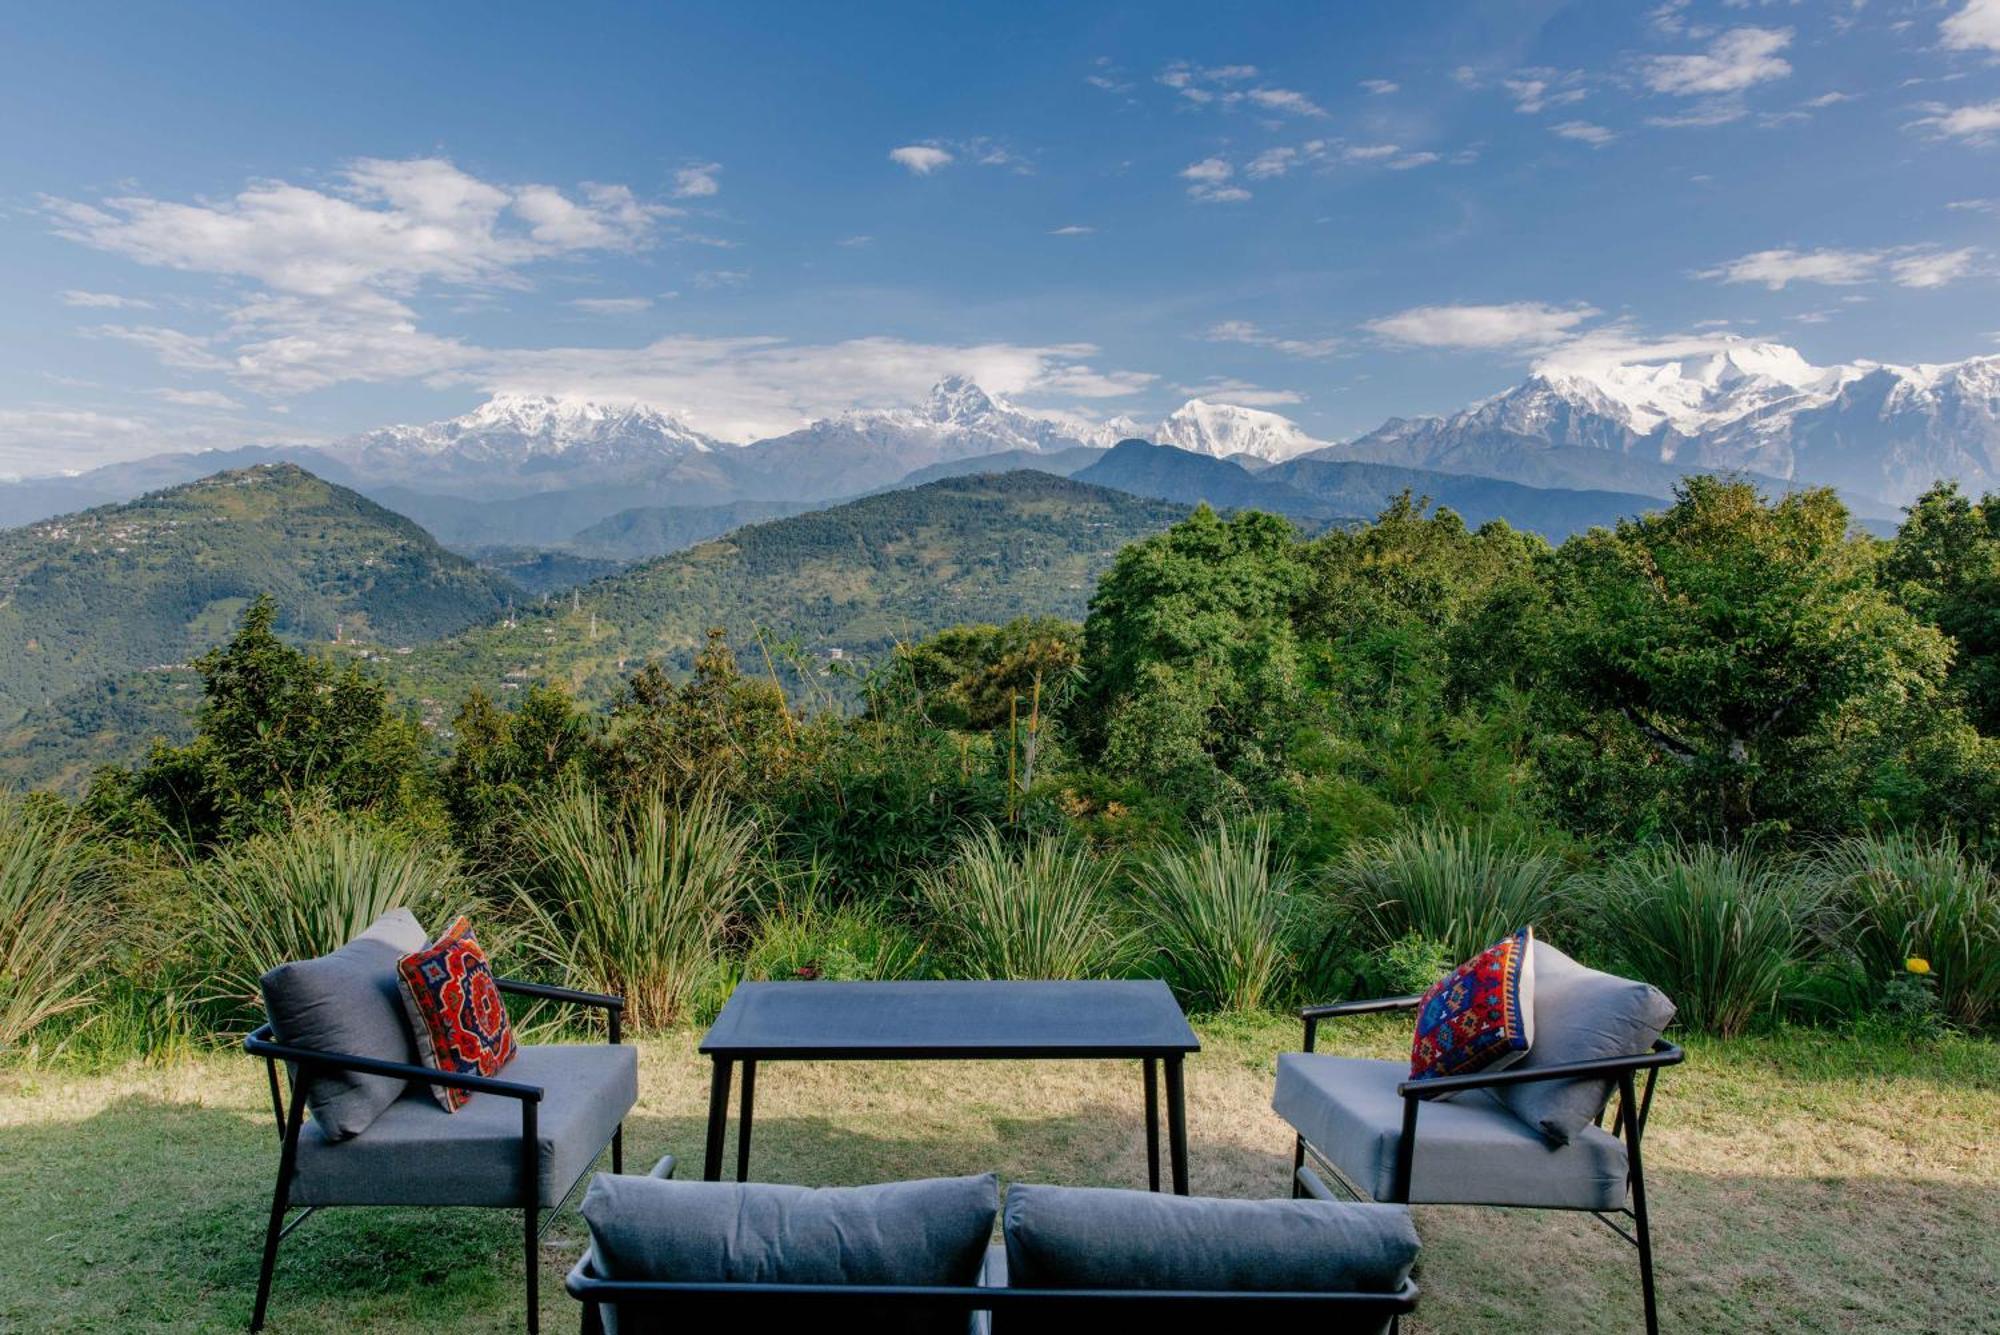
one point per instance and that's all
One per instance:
(1360, 1119)
(525, 1140)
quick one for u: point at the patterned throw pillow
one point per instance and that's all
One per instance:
(1481, 1016)
(456, 1010)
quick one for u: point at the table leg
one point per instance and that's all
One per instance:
(743, 1116)
(1152, 1124)
(1177, 1147)
(718, 1120)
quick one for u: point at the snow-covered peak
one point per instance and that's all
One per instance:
(1223, 429)
(957, 400)
(512, 430)
(1691, 386)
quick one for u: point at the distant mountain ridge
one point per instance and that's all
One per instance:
(157, 580)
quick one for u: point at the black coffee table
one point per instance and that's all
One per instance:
(950, 1021)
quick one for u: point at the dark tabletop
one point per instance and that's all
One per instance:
(950, 1019)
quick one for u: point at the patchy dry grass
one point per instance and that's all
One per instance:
(1799, 1182)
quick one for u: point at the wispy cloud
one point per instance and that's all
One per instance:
(612, 305)
(1209, 182)
(921, 159)
(1245, 392)
(1536, 90)
(1977, 124)
(1286, 100)
(1380, 87)
(1520, 324)
(197, 398)
(1738, 59)
(1243, 331)
(697, 180)
(1976, 27)
(103, 301)
(1072, 229)
(1584, 133)
(1919, 266)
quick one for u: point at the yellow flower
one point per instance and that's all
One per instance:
(1917, 964)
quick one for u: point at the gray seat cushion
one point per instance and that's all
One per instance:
(418, 1154)
(1103, 1238)
(1470, 1150)
(924, 1233)
(1580, 1015)
(348, 1002)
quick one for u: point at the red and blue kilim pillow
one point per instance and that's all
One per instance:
(456, 1011)
(1480, 1016)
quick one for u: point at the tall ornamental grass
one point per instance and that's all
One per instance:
(1039, 909)
(1909, 896)
(1217, 910)
(310, 889)
(637, 898)
(1720, 930)
(1464, 887)
(53, 897)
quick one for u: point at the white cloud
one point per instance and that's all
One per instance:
(1703, 115)
(1583, 132)
(709, 279)
(197, 398)
(1380, 87)
(1208, 182)
(387, 225)
(1242, 331)
(1827, 100)
(746, 388)
(921, 159)
(1738, 59)
(1906, 266)
(697, 181)
(1271, 162)
(1513, 325)
(1244, 393)
(104, 301)
(1974, 28)
(1290, 102)
(1072, 229)
(1977, 123)
(855, 242)
(1536, 90)
(1937, 268)
(612, 305)
(1410, 160)
(1775, 268)
(1369, 152)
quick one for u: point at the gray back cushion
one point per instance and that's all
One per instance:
(1580, 1015)
(1100, 1238)
(349, 1002)
(932, 1232)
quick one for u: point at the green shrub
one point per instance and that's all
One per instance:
(1461, 886)
(1409, 965)
(52, 902)
(1039, 909)
(309, 889)
(1924, 898)
(845, 944)
(1720, 931)
(634, 899)
(1216, 910)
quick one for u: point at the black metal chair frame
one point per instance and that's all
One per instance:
(288, 1109)
(1634, 1104)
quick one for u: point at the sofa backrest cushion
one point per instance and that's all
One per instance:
(349, 1002)
(930, 1233)
(1580, 1015)
(1101, 1238)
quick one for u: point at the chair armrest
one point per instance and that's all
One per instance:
(1663, 1053)
(1312, 1015)
(261, 1044)
(548, 993)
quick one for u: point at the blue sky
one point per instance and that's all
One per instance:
(222, 224)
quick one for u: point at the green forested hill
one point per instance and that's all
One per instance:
(126, 587)
(854, 579)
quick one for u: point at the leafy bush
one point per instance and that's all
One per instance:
(52, 894)
(310, 889)
(634, 899)
(1039, 909)
(1720, 931)
(1922, 898)
(844, 944)
(1409, 965)
(1461, 886)
(1216, 910)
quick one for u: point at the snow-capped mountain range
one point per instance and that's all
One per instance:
(1630, 421)
(1881, 433)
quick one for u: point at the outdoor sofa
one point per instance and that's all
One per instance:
(918, 1257)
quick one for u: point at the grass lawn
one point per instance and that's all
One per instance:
(1798, 1182)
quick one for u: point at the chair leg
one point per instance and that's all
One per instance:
(1642, 1230)
(1298, 1162)
(531, 1234)
(618, 1149)
(281, 1199)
